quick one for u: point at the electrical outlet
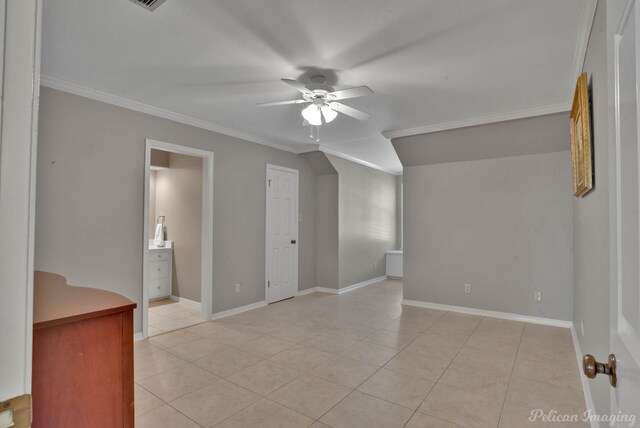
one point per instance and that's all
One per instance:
(537, 295)
(467, 288)
(237, 288)
(375, 265)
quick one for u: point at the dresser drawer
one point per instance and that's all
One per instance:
(158, 255)
(159, 288)
(159, 270)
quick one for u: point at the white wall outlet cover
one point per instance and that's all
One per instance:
(537, 295)
(467, 288)
(237, 288)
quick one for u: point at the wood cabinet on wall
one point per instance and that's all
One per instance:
(82, 356)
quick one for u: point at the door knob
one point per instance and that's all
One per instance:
(592, 368)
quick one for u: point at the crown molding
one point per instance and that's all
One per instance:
(94, 94)
(588, 15)
(481, 120)
(360, 161)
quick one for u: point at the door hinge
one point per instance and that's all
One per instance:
(268, 284)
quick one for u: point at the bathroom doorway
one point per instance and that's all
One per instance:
(178, 244)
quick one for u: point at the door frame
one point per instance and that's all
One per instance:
(206, 273)
(268, 227)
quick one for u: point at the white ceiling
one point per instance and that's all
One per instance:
(432, 64)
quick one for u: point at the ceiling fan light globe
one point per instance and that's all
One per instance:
(328, 113)
(312, 115)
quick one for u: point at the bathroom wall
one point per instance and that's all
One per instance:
(179, 199)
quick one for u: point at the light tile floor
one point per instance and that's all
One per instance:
(167, 315)
(359, 359)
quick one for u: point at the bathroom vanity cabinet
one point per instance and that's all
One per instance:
(160, 270)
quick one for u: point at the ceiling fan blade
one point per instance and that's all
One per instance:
(358, 91)
(297, 85)
(282, 103)
(349, 111)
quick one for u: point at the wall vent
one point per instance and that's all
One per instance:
(149, 4)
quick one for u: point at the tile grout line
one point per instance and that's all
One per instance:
(511, 375)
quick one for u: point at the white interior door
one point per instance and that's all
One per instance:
(282, 233)
(625, 296)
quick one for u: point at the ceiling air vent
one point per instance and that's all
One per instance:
(149, 4)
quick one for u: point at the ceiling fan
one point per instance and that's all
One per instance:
(323, 99)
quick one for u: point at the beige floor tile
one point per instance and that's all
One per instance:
(391, 339)
(503, 345)
(266, 326)
(370, 353)
(143, 347)
(197, 349)
(164, 417)
(435, 345)
(545, 396)
(490, 384)
(174, 338)
(420, 420)
(344, 371)
(154, 363)
(214, 403)
(363, 411)
(169, 325)
(516, 416)
(233, 336)
(396, 387)
(354, 331)
(293, 333)
(486, 360)
(145, 401)
(177, 382)
(152, 331)
(328, 342)
(462, 407)
(266, 414)
(264, 346)
(310, 396)
(406, 327)
(319, 425)
(301, 358)
(411, 363)
(206, 328)
(264, 377)
(227, 362)
(560, 372)
(501, 328)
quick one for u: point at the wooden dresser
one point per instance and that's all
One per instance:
(82, 356)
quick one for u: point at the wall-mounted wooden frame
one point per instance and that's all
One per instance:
(580, 123)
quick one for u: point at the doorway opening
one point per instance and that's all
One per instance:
(178, 239)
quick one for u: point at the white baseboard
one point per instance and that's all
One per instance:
(586, 387)
(185, 301)
(341, 290)
(236, 311)
(492, 314)
(137, 337)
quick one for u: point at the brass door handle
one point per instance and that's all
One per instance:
(592, 368)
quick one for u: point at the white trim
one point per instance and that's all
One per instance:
(588, 15)
(492, 314)
(94, 94)
(586, 388)
(361, 284)
(341, 290)
(272, 167)
(360, 161)
(206, 274)
(480, 120)
(187, 302)
(137, 337)
(239, 310)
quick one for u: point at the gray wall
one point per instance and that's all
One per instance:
(501, 225)
(89, 222)
(591, 221)
(367, 220)
(179, 199)
(327, 242)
